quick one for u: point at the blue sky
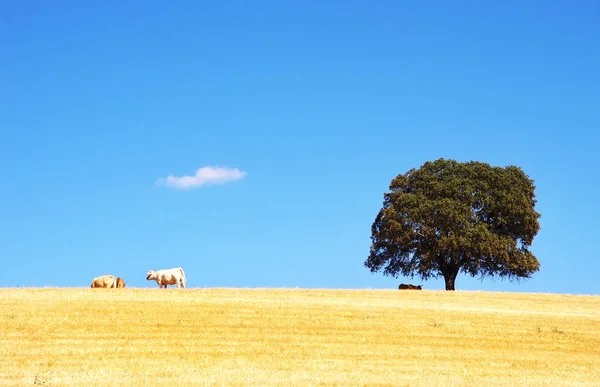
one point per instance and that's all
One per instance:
(317, 104)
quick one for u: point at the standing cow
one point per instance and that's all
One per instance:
(104, 281)
(166, 277)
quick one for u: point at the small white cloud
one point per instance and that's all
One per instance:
(203, 176)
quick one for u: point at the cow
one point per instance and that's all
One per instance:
(164, 277)
(120, 282)
(104, 281)
(410, 287)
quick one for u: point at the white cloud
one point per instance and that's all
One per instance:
(203, 176)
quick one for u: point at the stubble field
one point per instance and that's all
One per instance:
(75, 336)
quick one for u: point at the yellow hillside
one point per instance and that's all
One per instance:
(296, 337)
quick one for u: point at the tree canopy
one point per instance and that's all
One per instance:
(448, 217)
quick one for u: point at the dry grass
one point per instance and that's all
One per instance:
(296, 337)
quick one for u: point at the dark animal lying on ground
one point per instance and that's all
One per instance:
(409, 286)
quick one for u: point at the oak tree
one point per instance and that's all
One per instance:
(448, 217)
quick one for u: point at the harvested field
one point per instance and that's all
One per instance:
(75, 336)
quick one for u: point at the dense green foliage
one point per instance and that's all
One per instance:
(448, 217)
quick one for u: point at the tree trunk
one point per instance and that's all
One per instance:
(450, 278)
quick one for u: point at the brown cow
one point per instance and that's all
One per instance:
(410, 287)
(120, 282)
(104, 281)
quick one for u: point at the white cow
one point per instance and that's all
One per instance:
(166, 277)
(104, 281)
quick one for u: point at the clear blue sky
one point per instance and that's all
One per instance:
(320, 104)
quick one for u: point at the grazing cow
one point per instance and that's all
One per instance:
(166, 277)
(410, 287)
(104, 281)
(120, 282)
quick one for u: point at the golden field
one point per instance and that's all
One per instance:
(77, 336)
